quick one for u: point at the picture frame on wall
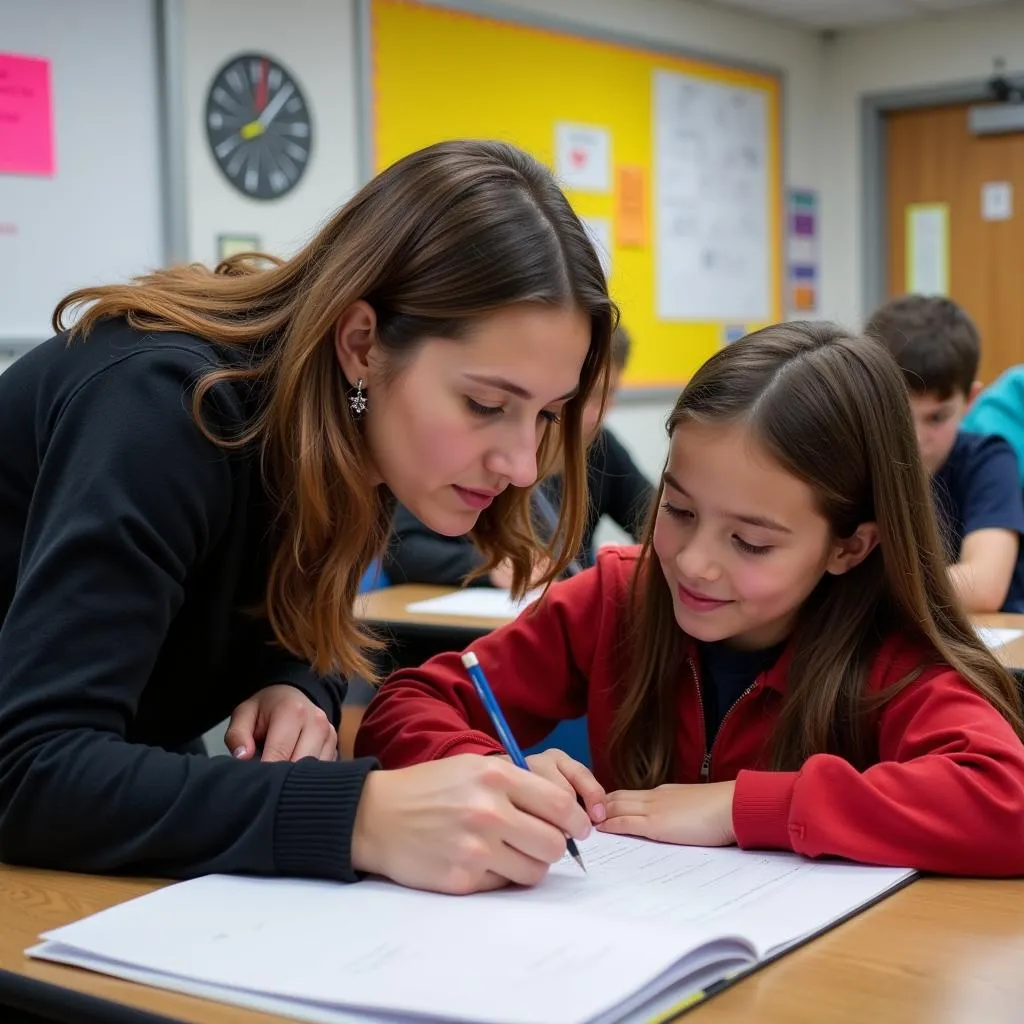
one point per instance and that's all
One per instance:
(232, 245)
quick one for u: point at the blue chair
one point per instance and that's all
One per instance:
(570, 736)
(375, 578)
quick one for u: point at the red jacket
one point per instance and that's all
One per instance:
(947, 794)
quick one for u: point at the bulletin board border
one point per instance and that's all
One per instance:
(551, 23)
(542, 21)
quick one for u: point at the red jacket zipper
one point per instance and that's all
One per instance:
(705, 765)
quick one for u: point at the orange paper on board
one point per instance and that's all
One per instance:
(631, 206)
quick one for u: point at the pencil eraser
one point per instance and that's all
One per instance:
(469, 660)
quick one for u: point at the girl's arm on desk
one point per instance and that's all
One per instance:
(538, 666)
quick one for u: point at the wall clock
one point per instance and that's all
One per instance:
(259, 126)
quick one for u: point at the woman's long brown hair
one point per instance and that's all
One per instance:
(434, 243)
(832, 410)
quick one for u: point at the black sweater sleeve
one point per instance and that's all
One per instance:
(129, 495)
(625, 491)
(416, 554)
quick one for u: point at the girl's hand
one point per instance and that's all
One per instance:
(285, 722)
(561, 769)
(698, 815)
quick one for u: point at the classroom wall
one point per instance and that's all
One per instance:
(314, 38)
(929, 52)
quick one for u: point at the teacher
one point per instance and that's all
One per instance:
(194, 477)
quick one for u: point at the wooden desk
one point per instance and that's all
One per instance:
(387, 609)
(1011, 654)
(944, 950)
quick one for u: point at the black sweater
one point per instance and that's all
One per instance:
(132, 552)
(616, 488)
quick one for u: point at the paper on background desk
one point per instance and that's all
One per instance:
(475, 602)
(997, 636)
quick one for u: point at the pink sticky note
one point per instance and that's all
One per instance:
(26, 116)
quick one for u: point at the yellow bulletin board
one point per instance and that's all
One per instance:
(443, 72)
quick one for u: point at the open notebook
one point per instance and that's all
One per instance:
(644, 930)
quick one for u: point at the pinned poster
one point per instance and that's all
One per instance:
(600, 231)
(631, 207)
(583, 157)
(997, 200)
(927, 270)
(26, 116)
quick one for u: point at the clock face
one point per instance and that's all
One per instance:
(258, 126)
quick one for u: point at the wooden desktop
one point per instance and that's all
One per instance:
(388, 610)
(945, 950)
(941, 949)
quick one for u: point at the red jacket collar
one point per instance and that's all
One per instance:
(776, 678)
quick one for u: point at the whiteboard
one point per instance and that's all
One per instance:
(100, 218)
(711, 200)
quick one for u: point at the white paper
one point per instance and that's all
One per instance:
(997, 200)
(475, 602)
(583, 157)
(577, 948)
(599, 229)
(928, 249)
(712, 200)
(768, 898)
(997, 636)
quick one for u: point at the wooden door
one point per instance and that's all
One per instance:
(932, 157)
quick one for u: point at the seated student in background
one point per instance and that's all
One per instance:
(999, 410)
(617, 488)
(975, 479)
(783, 663)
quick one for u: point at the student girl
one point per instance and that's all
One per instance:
(195, 476)
(782, 664)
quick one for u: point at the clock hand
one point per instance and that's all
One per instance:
(273, 108)
(231, 143)
(261, 86)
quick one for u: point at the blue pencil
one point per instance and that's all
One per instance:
(508, 741)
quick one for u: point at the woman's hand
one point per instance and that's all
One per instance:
(501, 575)
(285, 722)
(463, 824)
(699, 815)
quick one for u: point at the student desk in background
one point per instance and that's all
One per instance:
(387, 611)
(1011, 654)
(944, 950)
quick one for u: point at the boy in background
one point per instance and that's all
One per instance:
(975, 478)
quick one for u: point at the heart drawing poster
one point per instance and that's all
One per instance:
(583, 157)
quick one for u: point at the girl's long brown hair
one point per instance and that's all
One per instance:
(832, 410)
(434, 243)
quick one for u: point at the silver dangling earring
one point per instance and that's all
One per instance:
(357, 401)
